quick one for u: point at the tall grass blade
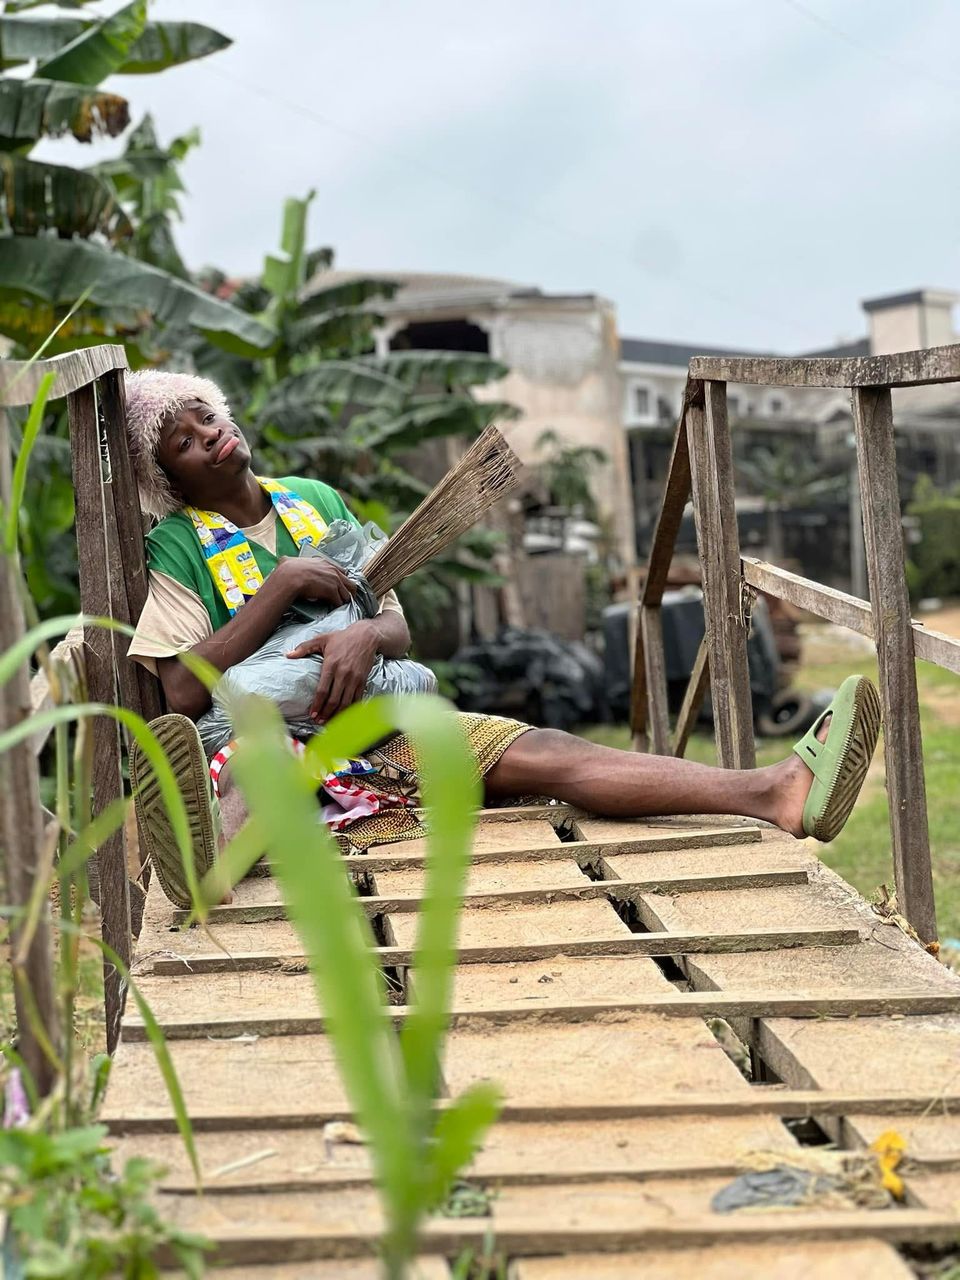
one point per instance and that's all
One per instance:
(337, 939)
(456, 1137)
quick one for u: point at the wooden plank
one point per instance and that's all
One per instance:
(809, 1260)
(643, 944)
(720, 560)
(675, 496)
(514, 1153)
(519, 924)
(651, 627)
(485, 877)
(692, 700)
(902, 742)
(846, 610)
(771, 1100)
(342, 1269)
(21, 828)
(20, 379)
(234, 1081)
(678, 1004)
(100, 664)
(564, 978)
(296, 1227)
(902, 369)
(663, 840)
(616, 888)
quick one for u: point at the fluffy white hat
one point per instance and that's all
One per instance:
(151, 396)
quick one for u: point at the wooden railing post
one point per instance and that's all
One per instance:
(21, 829)
(93, 530)
(711, 460)
(146, 700)
(893, 633)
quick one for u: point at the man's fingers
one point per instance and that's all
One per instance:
(323, 689)
(306, 649)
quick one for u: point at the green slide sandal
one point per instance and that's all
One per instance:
(180, 741)
(840, 764)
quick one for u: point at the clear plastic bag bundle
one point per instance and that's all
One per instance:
(291, 683)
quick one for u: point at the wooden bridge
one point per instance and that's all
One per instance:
(666, 1003)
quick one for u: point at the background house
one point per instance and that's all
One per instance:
(572, 373)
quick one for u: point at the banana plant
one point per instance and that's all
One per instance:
(63, 228)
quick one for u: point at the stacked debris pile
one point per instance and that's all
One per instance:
(533, 676)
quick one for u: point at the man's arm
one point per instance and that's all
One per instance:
(348, 657)
(314, 578)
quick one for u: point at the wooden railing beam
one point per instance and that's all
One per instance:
(902, 369)
(20, 379)
(675, 497)
(692, 700)
(845, 610)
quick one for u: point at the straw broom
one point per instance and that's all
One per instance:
(487, 472)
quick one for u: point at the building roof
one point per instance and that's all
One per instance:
(915, 298)
(650, 351)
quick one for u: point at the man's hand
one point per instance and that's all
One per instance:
(348, 657)
(314, 578)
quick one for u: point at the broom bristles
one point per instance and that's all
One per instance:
(487, 472)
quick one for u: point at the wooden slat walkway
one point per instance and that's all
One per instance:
(592, 974)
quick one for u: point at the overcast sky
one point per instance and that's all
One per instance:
(735, 172)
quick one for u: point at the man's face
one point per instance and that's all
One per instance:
(201, 451)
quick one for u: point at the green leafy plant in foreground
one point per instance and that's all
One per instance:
(72, 1217)
(393, 1081)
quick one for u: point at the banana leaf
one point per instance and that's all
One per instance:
(33, 109)
(100, 50)
(36, 198)
(334, 382)
(170, 44)
(161, 44)
(56, 272)
(450, 369)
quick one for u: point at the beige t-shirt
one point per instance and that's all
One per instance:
(174, 618)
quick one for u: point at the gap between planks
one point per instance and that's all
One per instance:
(262, 912)
(639, 944)
(682, 1004)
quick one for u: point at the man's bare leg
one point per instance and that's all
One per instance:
(632, 784)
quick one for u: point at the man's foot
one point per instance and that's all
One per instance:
(181, 744)
(793, 786)
(833, 762)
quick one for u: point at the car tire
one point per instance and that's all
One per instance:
(789, 713)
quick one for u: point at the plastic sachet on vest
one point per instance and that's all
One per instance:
(291, 683)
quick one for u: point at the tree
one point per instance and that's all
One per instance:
(70, 232)
(321, 403)
(786, 477)
(101, 235)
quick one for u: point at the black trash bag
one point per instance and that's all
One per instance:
(533, 676)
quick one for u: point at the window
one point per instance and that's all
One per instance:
(641, 402)
(775, 405)
(733, 406)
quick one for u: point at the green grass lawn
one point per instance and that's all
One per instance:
(861, 854)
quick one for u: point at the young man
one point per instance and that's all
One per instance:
(224, 570)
